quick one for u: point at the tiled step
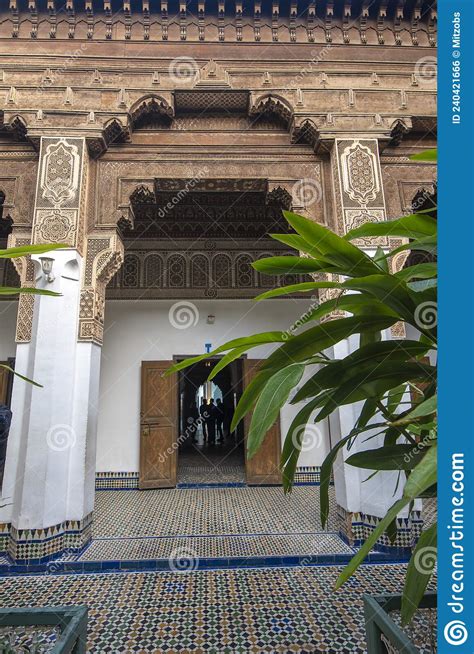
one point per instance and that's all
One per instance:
(225, 546)
(191, 553)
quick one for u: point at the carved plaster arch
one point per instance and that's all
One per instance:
(151, 106)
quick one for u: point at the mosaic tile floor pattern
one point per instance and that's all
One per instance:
(207, 475)
(196, 548)
(179, 512)
(279, 610)
(203, 463)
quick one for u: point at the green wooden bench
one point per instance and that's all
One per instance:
(71, 622)
(384, 634)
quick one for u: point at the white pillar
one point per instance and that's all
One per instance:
(362, 501)
(48, 489)
(51, 447)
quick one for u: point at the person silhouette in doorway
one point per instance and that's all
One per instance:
(211, 421)
(204, 413)
(219, 421)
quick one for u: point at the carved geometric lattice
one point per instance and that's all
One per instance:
(153, 271)
(130, 271)
(244, 272)
(176, 277)
(222, 271)
(199, 271)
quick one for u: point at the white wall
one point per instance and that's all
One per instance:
(8, 312)
(137, 331)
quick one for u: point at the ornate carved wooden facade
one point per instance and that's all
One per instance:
(171, 140)
(159, 141)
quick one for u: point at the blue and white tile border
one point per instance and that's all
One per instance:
(305, 476)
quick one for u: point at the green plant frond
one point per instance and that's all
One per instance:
(417, 225)
(329, 244)
(264, 338)
(418, 576)
(25, 250)
(427, 155)
(267, 408)
(17, 374)
(304, 287)
(14, 290)
(421, 478)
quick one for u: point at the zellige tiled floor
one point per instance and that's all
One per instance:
(179, 512)
(278, 610)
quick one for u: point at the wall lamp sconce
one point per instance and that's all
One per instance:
(211, 319)
(47, 268)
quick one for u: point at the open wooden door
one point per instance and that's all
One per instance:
(4, 383)
(158, 426)
(264, 467)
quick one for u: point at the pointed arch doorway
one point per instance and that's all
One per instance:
(171, 434)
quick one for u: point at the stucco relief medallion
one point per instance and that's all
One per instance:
(60, 173)
(357, 217)
(56, 226)
(360, 176)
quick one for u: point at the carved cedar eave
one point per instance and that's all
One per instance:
(398, 131)
(153, 109)
(305, 131)
(18, 128)
(414, 128)
(141, 196)
(14, 126)
(206, 208)
(114, 132)
(273, 107)
(280, 197)
(424, 127)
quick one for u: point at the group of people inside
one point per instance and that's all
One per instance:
(215, 419)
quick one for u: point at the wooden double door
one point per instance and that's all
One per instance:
(159, 431)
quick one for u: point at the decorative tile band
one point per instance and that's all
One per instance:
(355, 528)
(41, 545)
(61, 567)
(308, 475)
(129, 480)
(116, 480)
(5, 528)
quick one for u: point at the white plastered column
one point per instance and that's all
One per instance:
(48, 489)
(51, 446)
